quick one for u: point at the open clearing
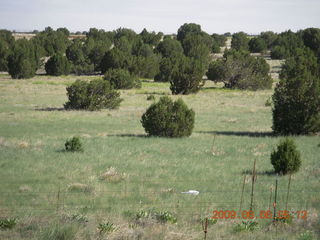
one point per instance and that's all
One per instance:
(122, 171)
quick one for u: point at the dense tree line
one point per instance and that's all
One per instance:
(180, 59)
(143, 55)
(282, 45)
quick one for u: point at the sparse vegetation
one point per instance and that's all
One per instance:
(106, 227)
(7, 223)
(159, 216)
(59, 231)
(56, 195)
(246, 226)
(80, 187)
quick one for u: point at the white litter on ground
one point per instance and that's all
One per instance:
(191, 192)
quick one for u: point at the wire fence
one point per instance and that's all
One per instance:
(249, 194)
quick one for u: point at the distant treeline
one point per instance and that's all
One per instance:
(169, 58)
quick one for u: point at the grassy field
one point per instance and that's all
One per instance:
(122, 171)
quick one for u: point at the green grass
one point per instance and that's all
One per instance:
(40, 182)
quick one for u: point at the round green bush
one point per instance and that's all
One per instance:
(57, 65)
(286, 159)
(216, 71)
(94, 95)
(168, 119)
(74, 145)
(122, 79)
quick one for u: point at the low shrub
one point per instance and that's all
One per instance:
(286, 159)
(159, 216)
(74, 145)
(246, 226)
(8, 223)
(106, 227)
(122, 79)
(168, 119)
(94, 95)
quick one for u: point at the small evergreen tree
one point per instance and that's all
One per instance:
(22, 62)
(187, 28)
(115, 58)
(240, 41)
(297, 96)
(168, 119)
(169, 48)
(57, 65)
(257, 45)
(216, 71)
(74, 145)
(286, 159)
(269, 38)
(188, 78)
